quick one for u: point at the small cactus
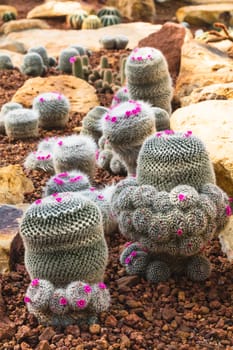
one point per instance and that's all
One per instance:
(109, 20)
(5, 61)
(75, 20)
(91, 22)
(41, 50)
(91, 123)
(109, 11)
(117, 42)
(21, 123)
(7, 107)
(64, 63)
(53, 110)
(121, 95)
(77, 67)
(33, 65)
(104, 62)
(8, 16)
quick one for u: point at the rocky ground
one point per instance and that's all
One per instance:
(178, 314)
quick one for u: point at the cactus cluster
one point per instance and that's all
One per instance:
(64, 63)
(8, 16)
(148, 78)
(65, 256)
(41, 50)
(171, 210)
(5, 61)
(33, 65)
(21, 123)
(7, 107)
(53, 110)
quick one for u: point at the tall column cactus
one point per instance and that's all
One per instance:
(148, 78)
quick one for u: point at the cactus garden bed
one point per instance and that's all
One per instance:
(178, 314)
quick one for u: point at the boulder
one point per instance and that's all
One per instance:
(201, 65)
(212, 122)
(22, 24)
(13, 184)
(206, 14)
(81, 95)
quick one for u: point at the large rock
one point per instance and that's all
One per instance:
(81, 95)
(6, 8)
(210, 92)
(23, 24)
(135, 10)
(13, 184)
(56, 9)
(56, 40)
(202, 65)
(206, 14)
(9, 227)
(212, 121)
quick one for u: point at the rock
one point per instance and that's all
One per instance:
(7, 328)
(169, 39)
(6, 8)
(212, 122)
(47, 334)
(43, 345)
(51, 39)
(95, 329)
(22, 24)
(125, 342)
(16, 254)
(168, 314)
(11, 45)
(226, 240)
(57, 9)
(127, 281)
(74, 330)
(210, 92)
(111, 321)
(136, 10)
(13, 184)
(23, 333)
(81, 95)
(206, 14)
(202, 65)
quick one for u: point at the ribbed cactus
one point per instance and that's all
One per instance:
(117, 42)
(75, 20)
(64, 63)
(65, 256)
(171, 210)
(75, 152)
(53, 110)
(5, 61)
(21, 123)
(91, 22)
(109, 20)
(91, 123)
(8, 16)
(72, 181)
(121, 95)
(7, 107)
(33, 65)
(109, 11)
(41, 50)
(126, 126)
(148, 78)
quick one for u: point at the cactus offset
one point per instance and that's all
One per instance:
(21, 123)
(64, 63)
(7, 107)
(33, 65)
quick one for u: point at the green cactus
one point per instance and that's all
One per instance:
(107, 78)
(5, 61)
(33, 65)
(117, 42)
(8, 16)
(41, 50)
(82, 51)
(64, 63)
(148, 78)
(75, 152)
(104, 62)
(109, 20)
(85, 60)
(77, 67)
(53, 110)
(109, 11)
(91, 22)
(75, 21)
(91, 123)
(7, 107)
(21, 123)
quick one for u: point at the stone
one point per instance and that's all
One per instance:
(226, 240)
(209, 92)
(16, 254)
(169, 40)
(13, 184)
(6, 8)
(15, 46)
(212, 122)
(202, 65)
(22, 24)
(95, 328)
(81, 95)
(135, 10)
(111, 321)
(9, 227)
(206, 14)
(51, 39)
(43, 345)
(168, 314)
(57, 9)
(47, 334)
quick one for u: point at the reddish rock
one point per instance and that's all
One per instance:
(168, 314)
(169, 39)
(16, 252)
(128, 281)
(47, 334)
(43, 345)
(111, 321)
(73, 330)
(131, 319)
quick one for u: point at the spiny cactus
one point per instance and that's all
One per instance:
(4, 110)
(121, 95)
(41, 50)
(75, 21)
(5, 61)
(8, 16)
(82, 51)
(21, 123)
(117, 42)
(77, 67)
(53, 110)
(72, 181)
(109, 20)
(109, 11)
(148, 78)
(91, 123)
(33, 65)
(75, 152)
(91, 22)
(104, 62)
(64, 63)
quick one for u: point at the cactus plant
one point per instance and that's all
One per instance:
(33, 65)
(91, 22)
(77, 67)
(171, 210)
(21, 123)
(64, 63)
(53, 110)
(109, 11)
(75, 152)
(4, 110)
(148, 77)
(65, 256)
(8, 16)
(82, 51)
(41, 50)
(109, 20)
(75, 20)
(91, 123)
(5, 61)
(121, 95)
(117, 42)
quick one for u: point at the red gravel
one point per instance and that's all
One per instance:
(178, 314)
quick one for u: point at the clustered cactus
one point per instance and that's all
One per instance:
(53, 110)
(117, 42)
(171, 210)
(7, 107)
(121, 95)
(148, 78)
(5, 61)
(33, 65)
(21, 123)
(64, 63)
(91, 123)
(65, 256)
(75, 20)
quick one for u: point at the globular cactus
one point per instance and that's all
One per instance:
(91, 22)
(72, 181)
(8, 16)
(109, 11)
(75, 152)
(5, 61)
(75, 20)
(53, 110)
(7, 107)
(21, 123)
(109, 20)
(33, 65)
(91, 123)
(171, 210)
(126, 126)
(82, 51)
(116, 42)
(65, 256)
(121, 41)
(41, 50)
(121, 95)
(64, 63)
(148, 78)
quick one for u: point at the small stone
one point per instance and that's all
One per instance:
(131, 319)
(181, 296)
(204, 310)
(125, 342)
(168, 314)
(165, 328)
(25, 346)
(95, 329)
(23, 332)
(47, 334)
(110, 321)
(128, 281)
(73, 330)
(43, 345)
(215, 304)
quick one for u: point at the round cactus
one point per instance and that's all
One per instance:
(100, 298)
(78, 295)
(41, 50)
(53, 110)
(121, 95)
(64, 63)
(5, 61)
(91, 22)
(108, 42)
(21, 123)
(109, 20)
(148, 77)
(33, 65)
(7, 107)
(38, 294)
(91, 123)
(109, 11)
(75, 20)
(8, 16)
(58, 303)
